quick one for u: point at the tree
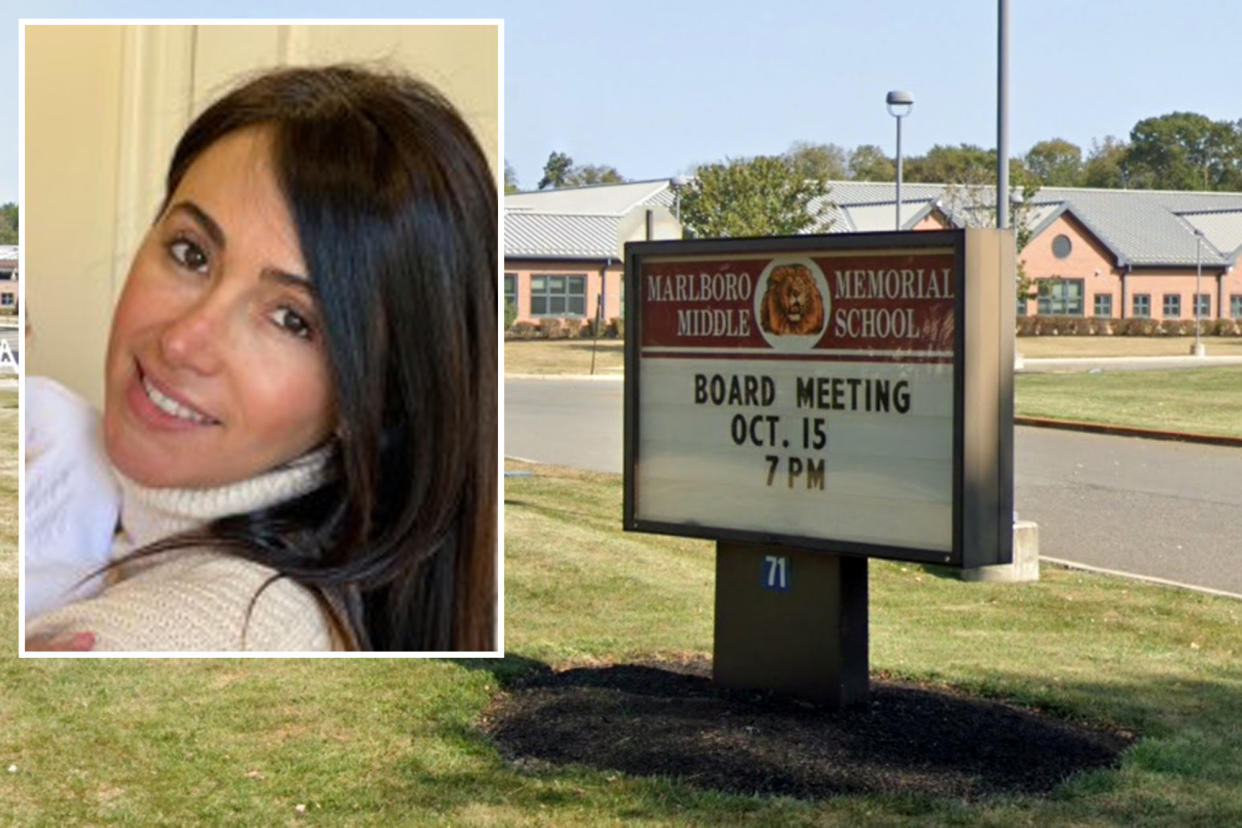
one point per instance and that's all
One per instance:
(762, 196)
(869, 163)
(590, 174)
(1184, 151)
(823, 161)
(1056, 163)
(975, 206)
(511, 184)
(963, 164)
(555, 170)
(1106, 164)
(560, 171)
(8, 223)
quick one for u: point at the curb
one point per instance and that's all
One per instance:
(1151, 579)
(1129, 431)
(595, 377)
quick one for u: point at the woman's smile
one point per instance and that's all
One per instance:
(163, 408)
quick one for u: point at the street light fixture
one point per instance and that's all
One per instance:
(900, 102)
(678, 182)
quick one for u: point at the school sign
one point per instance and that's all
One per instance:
(847, 393)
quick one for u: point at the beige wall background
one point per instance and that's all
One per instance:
(104, 107)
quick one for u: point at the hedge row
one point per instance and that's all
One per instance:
(1101, 326)
(557, 327)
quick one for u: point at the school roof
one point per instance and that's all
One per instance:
(578, 222)
(1141, 228)
(8, 254)
(560, 235)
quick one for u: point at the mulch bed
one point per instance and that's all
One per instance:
(668, 719)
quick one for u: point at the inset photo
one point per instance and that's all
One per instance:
(260, 394)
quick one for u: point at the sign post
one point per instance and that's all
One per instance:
(810, 402)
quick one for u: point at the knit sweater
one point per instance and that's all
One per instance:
(200, 599)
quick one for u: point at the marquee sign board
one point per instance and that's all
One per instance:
(848, 392)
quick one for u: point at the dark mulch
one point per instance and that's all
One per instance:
(670, 720)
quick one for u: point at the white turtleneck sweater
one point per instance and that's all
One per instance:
(199, 599)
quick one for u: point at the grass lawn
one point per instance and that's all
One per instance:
(564, 356)
(1199, 400)
(398, 742)
(573, 356)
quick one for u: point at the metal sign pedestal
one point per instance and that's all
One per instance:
(792, 621)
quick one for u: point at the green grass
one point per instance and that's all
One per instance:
(1200, 400)
(398, 742)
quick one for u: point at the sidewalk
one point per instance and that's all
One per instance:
(1043, 365)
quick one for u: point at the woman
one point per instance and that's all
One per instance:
(300, 389)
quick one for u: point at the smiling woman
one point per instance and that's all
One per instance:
(300, 384)
(216, 366)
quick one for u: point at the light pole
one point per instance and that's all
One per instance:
(677, 182)
(1198, 349)
(900, 102)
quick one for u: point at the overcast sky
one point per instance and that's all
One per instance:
(654, 88)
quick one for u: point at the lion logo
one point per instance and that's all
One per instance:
(792, 303)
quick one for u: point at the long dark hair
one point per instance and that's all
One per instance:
(395, 209)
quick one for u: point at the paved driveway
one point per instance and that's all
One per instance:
(1160, 509)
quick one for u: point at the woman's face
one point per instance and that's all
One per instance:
(216, 366)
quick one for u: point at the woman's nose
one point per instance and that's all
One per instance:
(193, 338)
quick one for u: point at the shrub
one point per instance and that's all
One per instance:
(554, 327)
(1223, 327)
(616, 328)
(1177, 327)
(510, 314)
(589, 327)
(1101, 325)
(1024, 325)
(523, 330)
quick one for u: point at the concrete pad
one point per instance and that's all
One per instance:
(1025, 566)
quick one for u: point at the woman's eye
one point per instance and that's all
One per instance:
(290, 320)
(189, 255)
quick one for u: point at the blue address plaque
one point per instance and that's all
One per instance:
(774, 573)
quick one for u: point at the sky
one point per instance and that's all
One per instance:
(655, 88)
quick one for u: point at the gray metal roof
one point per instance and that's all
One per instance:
(611, 199)
(1221, 228)
(560, 235)
(1142, 228)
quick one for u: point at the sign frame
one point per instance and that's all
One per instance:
(984, 308)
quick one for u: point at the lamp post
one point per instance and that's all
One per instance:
(677, 182)
(1198, 349)
(900, 102)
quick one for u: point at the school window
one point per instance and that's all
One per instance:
(511, 288)
(1061, 297)
(1172, 305)
(1104, 304)
(6, 275)
(1203, 305)
(1235, 305)
(7, 300)
(557, 295)
(1142, 306)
